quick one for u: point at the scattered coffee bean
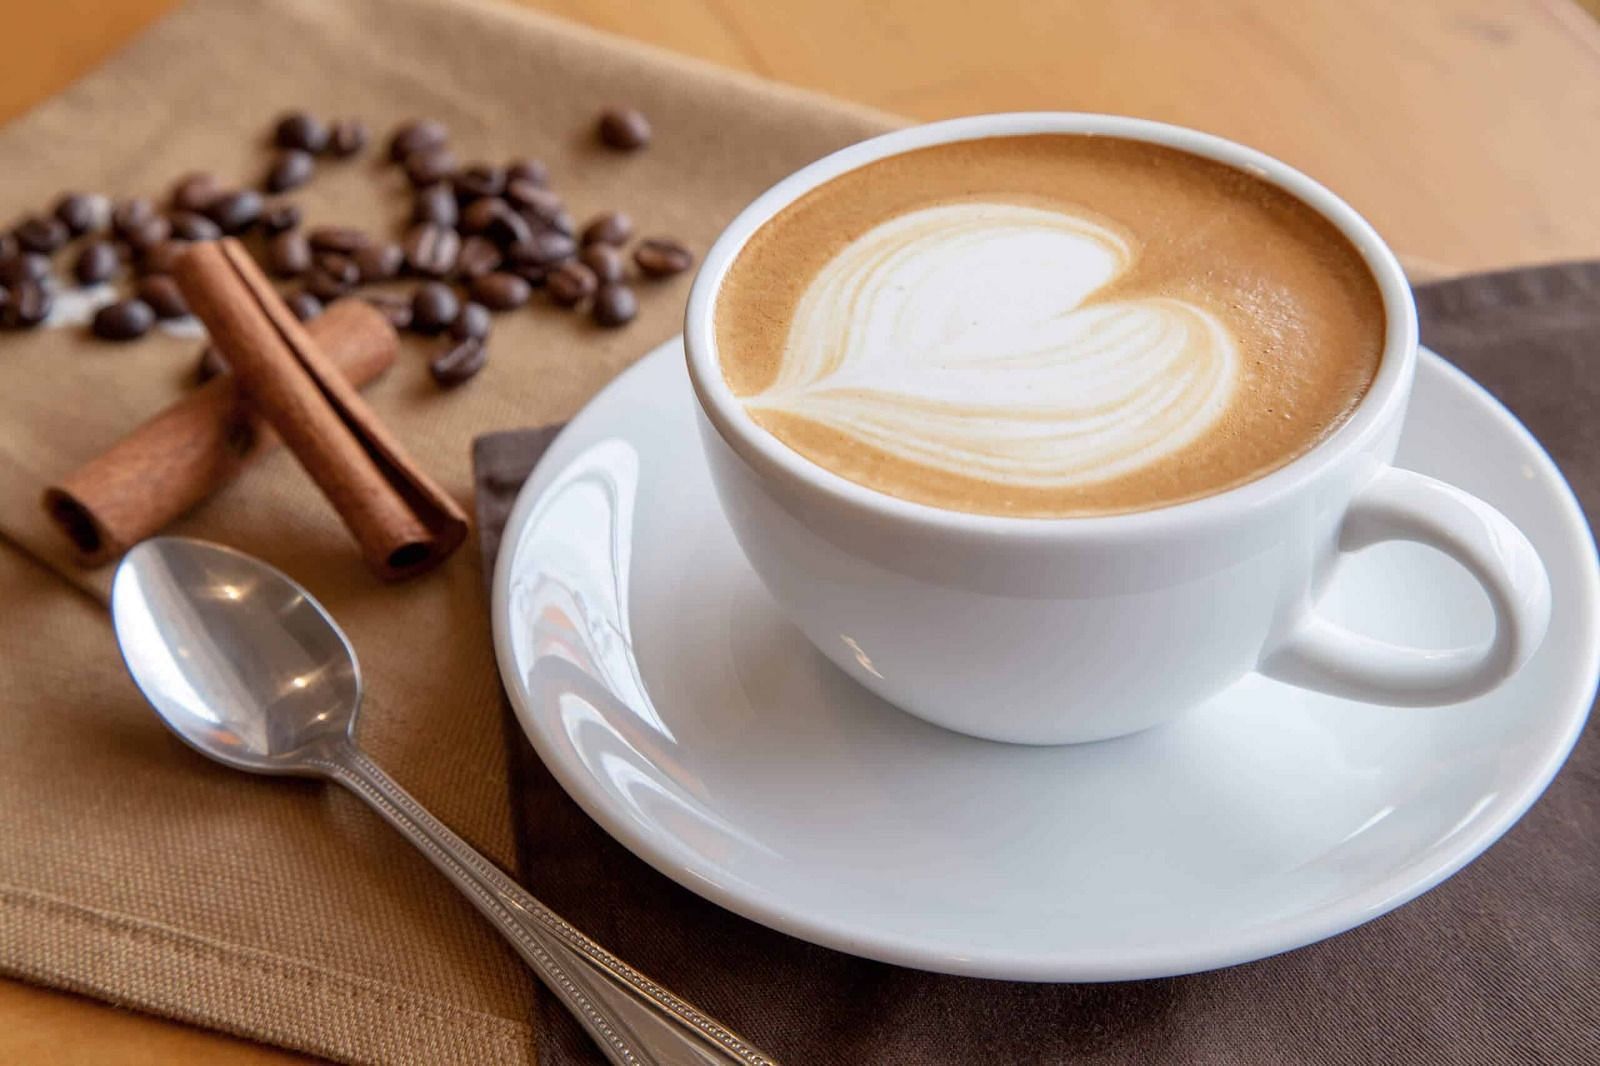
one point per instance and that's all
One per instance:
(624, 128)
(481, 213)
(124, 320)
(533, 197)
(379, 261)
(23, 267)
(346, 137)
(420, 134)
(42, 233)
(190, 226)
(289, 254)
(130, 214)
(529, 170)
(433, 307)
(434, 165)
(162, 257)
(614, 305)
(431, 250)
(236, 211)
(500, 291)
(478, 256)
(397, 309)
(546, 249)
(97, 262)
(301, 131)
(341, 268)
(195, 192)
(662, 257)
(28, 305)
(304, 305)
(211, 365)
(327, 285)
(147, 234)
(472, 321)
(435, 204)
(532, 273)
(292, 169)
(570, 284)
(480, 180)
(83, 213)
(605, 260)
(161, 293)
(613, 227)
(561, 222)
(342, 239)
(507, 227)
(460, 362)
(8, 244)
(279, 217)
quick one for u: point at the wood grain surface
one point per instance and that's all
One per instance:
(1468, 131)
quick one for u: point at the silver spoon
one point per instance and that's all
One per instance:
(247, 668)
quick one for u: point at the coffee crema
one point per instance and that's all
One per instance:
(1049, 325)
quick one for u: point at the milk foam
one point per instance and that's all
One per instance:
(956, 337)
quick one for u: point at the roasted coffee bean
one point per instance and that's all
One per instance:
(292, 169)
(480, 180)
(346, 137)
(27, 306)
(605, 261)
(211, 365)
(341, 268)
(546, 249)
(508, 228)
(420, 134)
(97, 262)
(471, 321)
(42, 233)
(426, 168)
(276, 218)
(379, 261)
(480, 213)
(561, 222)
(130, 214)
(431, 250)
(83, 213)
(478, 256)
(459, 362)
(342, 239)
(162, 257)
(525, 194)
(8, 245)
(532, 273)
(147, 234)
(22, 267)
(501, 292)
(189, 226)
(236, 211)
(624, 128)
(195, 192)
(289, 254)
(124, 320)
(301, 131)
(570, 284)
(662, 257)
(397, 309)
(433, 307)
(530, 170)
(326, 285)
(613, 227)
(614, 305)
(436, 204)
(304, 305)
(161, 293)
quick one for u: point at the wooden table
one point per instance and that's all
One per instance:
(1468, 131)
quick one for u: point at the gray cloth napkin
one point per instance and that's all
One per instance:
(1496, 966)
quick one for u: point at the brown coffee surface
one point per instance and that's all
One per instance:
(1303, 309)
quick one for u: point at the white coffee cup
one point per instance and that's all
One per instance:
(1045, 631)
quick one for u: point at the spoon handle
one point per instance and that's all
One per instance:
(634, 1021)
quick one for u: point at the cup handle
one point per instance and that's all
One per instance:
(1403, 505)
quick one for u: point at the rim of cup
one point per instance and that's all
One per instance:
(773, 459)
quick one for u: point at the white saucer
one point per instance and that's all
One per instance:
(672, 701)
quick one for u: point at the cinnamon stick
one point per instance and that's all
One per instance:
(181, 456)
(402, 520)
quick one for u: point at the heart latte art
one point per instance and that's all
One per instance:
(964, 337)
(1048, 326)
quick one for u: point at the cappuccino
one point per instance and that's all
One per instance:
(1049, 325)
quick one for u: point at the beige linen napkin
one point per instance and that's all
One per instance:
(130, 868)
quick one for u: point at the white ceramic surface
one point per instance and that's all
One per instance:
(1047, 631)
(666, 692)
